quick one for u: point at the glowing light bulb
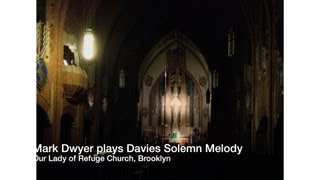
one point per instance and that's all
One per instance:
(88, 44)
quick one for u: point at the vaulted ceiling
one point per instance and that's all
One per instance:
(127, 30)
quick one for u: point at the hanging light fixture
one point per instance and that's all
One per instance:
(88, 44)
(88, 50)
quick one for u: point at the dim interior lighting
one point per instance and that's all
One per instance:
(88, 44)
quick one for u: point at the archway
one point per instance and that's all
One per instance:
(174, 79)
(42, 124)
(66, 127)
(262, 135)
(248, 137)
(278, 136)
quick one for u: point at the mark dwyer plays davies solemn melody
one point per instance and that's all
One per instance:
(130, 148)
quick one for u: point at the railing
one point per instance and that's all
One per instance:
(75, 80)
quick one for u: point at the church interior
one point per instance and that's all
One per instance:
(153, 72)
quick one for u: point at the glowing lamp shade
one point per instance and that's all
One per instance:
(88, 44)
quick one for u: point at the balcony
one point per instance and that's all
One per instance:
(75, 83)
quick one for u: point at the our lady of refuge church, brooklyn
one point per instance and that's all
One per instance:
(180, 74)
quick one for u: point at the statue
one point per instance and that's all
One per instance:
(175, 105)
(174, 100)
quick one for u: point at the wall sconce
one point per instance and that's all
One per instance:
(88, 44)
